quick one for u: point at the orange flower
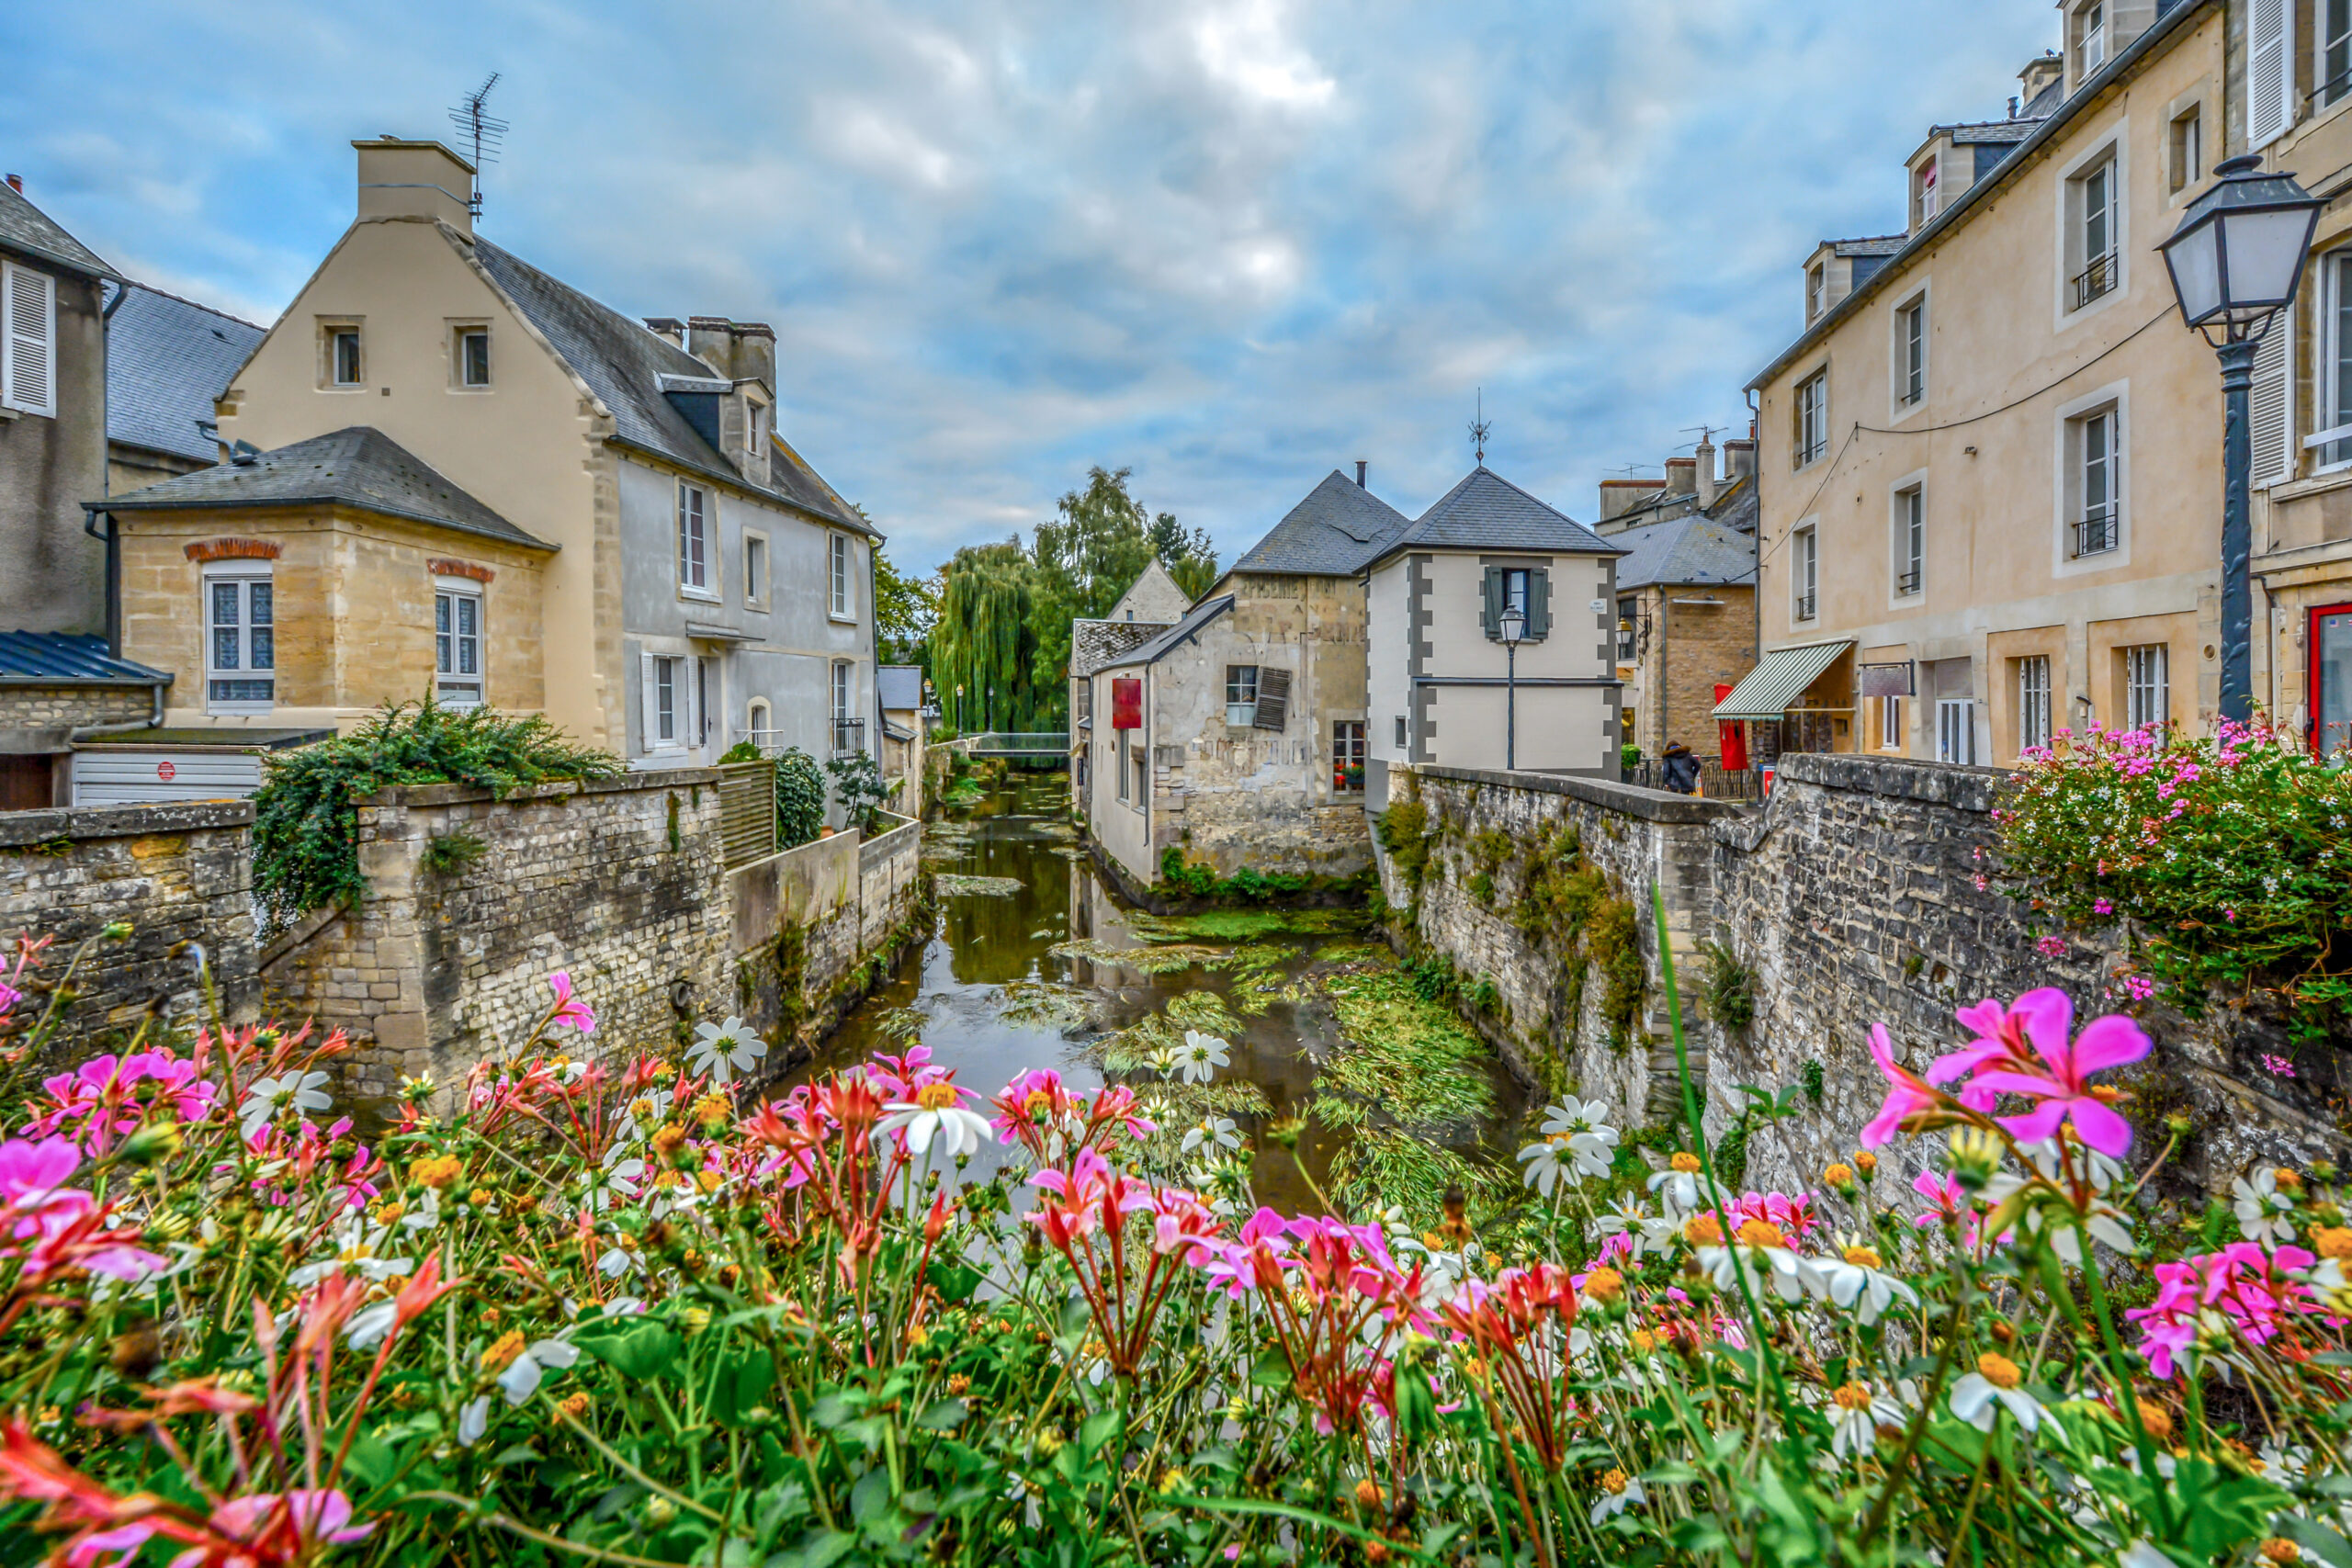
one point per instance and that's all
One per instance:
(502, 1352)
(1702, 1230)
(1999, 1371)
(435, 1170)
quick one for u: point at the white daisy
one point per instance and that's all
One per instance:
(264, 1096)
(359, 1249)
(1578, 1125)
(2263, 1211)
(1788, 1275)
(1995, 1380)
(1856, 1415)
(1214, 1131)
(1856, 1281)
(1677, 1185)
(1619, 1491)
(1543, 1167)
(938, 1112)
(725, 1050)
(612, 1181)
(1201, 1056)
(473, 1421)
(522, 1377)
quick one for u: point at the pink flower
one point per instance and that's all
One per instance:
(2102, 906)
(108, 1096)
(2139, 987)
(1945, 1192)
(568, 1010)
(2051, 946)
(2278, 1067)
(2056, 1073)
(1907, 1094)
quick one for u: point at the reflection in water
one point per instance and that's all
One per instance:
(992, 1000)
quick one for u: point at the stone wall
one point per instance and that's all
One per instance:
(71, 707)
(1852, 897)
(178, 876)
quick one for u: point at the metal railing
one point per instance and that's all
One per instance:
(2096, 534)
(2097, 279)
(849, 735)
(1907, 584)
(1804, 606)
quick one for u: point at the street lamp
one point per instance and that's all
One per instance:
(1514, 626)
(2236, 261)
(959, 707)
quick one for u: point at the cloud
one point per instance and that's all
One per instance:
(1231, 243)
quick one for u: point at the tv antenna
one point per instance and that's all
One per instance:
(1479, 426)
(1706, 432)
(479, 131)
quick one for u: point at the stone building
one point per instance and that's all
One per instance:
(1686, 599)
(1151, 605)
(1444, 689)
(698, 582)
(905, 729)
(1237, 736)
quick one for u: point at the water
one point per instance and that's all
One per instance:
(991, 996)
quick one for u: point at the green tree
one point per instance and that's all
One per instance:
(986, 638)
(904, 609)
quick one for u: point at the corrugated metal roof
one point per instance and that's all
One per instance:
(1779, 679)
(1150, 652)
(30, 231)
(68, 659)
(168, 358)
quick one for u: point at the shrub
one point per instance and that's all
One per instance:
(857, 784)
(306, 818)
(799, 797)
(1728, 987)
(447, 854)
(1404, 833)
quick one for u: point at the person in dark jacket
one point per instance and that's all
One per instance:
(1681, 768)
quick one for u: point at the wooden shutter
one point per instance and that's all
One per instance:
(648, 712)
(31, 360)
(1490, 608)
(2266, 408)
(1539, 604)
(1273, 697)
(2269, 74)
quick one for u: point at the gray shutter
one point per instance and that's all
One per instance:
(2266, 407)
(1273, 697)
(2269, 76)
(30, 324)
(1539, 604)
(1491, 609)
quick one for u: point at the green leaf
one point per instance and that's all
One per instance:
(943, 1416)
(1100, 1429)
(2317, 1540)
(1270, 1370)
(642, 1353)
(956, 1282)
(372, 1459)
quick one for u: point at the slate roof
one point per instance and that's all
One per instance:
(623, 362)
(900, 687)
(1869, 245)
(68, 659)
(1486, 512)
(30, 231)
(360, 467)
(2011, 130)
(168, 358)
(1334, 532)
(1094, 644)
(1687, 549)
(1153, 649)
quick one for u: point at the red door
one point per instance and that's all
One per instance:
(2327, 655)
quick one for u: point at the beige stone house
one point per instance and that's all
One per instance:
(1685, 598)
(1444, 688)
(693, 582)
(1990, 464)
(1151, 605)
(1238, 735)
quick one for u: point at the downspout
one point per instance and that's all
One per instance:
(1755, 576)
(153, 721)
(112, 539)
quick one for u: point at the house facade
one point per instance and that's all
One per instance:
(697, 582)
(906, 725)
(1238, 735)
(1991, 466)
(1685, 600)
(1445, 689)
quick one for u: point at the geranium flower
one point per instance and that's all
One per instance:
(568, 1009)
(723, 1050)
(108, 1096)
(263, 1097)
(1909, 1094)
(2033, 1057)
(1995, 1381)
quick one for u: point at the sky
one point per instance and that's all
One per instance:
(1230, 244)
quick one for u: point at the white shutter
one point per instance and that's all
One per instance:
(2266, 408)
(2269, 73)
(31, 363)
(648, 716)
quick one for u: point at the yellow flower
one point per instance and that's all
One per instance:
(1999, 1371)
(1173, 1479)
(693, 1320)
(1645, 1341)
(918, 1336)
(1865, 1162)
(667, 1138)
(937, 1096)
(2332, 1242)
(957, 1383)
(502, 1352)
(573, 1404)
(1863, 1257)
(1852, 1397)
(1685, 1161)
(709, 1180)
(1702, 1230)
(480, 1197)
(2278, 1549)
(1840, 1175)
(389, 1213)
(1613, 1482)
(1604, 1284)
(1368, 1493)
(1761, 1233)
(712, 1109)
(435, 1170)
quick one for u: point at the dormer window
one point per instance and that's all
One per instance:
(2090, 45)
(2335, 52)
(1923, 194)
(1816, 291)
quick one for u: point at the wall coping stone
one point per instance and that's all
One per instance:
(1960, 787)
(882, 846)
(83, 822)
(1631, 800)
(558, 789)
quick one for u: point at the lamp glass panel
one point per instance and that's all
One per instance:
(2195, 260)
(2266, 248)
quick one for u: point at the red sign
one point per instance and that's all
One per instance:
(164, 771)
(1127, 703)
(1733, 738)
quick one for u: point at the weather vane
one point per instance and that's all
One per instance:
(481, 131)
(1479, 426)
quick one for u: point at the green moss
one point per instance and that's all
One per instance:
(1404, 833)
(1408, 1055)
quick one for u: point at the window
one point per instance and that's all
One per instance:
(664, 725)
(2336, 371)
(2090, 46)
(1525, 590)
(839, 547)
(2188, 145)
(1911, 353)
(1241, 694)
(1956, 730)
(1923, 194)
(1400, 732)
(694, 543)
(1816, 292)
(1813, 418)
(1890, 724)
(1910, 541)
(345, 367)
(1805, 571)
(1126, 779)
(2147, 686)
(2097, 522)
(2334, 20)
(28, 342)
(457, 645)
(2271, 98)
(2330, 658)
(1628, 634)
(240, 652)
(1136, 760)
(473, 357)
(2033, 702)
(2094, 227)
(755, 570)
(1347, 756)
(760, 725)
(703, 704)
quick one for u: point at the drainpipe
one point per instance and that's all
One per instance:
(112, 539)
(153, 721)
(1756, 575)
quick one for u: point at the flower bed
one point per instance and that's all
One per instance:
(610, 1307)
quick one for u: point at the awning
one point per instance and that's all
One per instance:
(1779, 679)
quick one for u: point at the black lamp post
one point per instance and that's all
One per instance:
(1513, 625)
(2236, 261)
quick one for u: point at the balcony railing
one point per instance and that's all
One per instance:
(849, 735)
(2096, 279)
(1804, 606)
(1907, 584)
(2096, 534)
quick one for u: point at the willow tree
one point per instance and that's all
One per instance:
(985, 639)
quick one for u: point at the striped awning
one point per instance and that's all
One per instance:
(1779, 679)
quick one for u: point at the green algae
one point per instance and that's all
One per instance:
(951, 885)
(1411, 1058)
(1382, 1167)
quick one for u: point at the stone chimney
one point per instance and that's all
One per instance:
(1362, 465)
(416, 179)
(1682, 475)
(2039, 73)
(669, 327)
(1619, 496)
(1705, 460)
(740, 351)
(1739, 461)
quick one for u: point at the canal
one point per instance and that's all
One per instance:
(1344, 1077)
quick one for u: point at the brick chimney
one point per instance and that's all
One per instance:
(416, 179)
(1619, 496)
(1705, 460)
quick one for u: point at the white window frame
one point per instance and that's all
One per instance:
(759, 721)
(2147, 683)
(2067, 504)
(451, 595)
(2091, 35)
(1956, 730)
(461, 379)
(1914, 306)
(758, 567)
(1812, 419)
(1907, 538)
(696, 558)
(2185, 147)
(841, 596)
(331, 331)
(16, 285)
(2335, 385)
(1924, 178)
(1891, 737)
(670, 666)
(241, 573)
(2037, 711)
(1817, 290)
(1240, 695)
(1804, 572)
(2111, 145)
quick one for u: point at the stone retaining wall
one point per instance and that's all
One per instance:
(178, 875)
